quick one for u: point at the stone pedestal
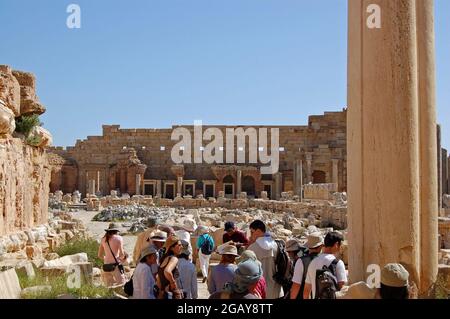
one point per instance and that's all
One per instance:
(392, 175)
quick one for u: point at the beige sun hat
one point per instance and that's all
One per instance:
(394, 275)
(314, 240)
(159, 235)
(228, 249)
(293, 245)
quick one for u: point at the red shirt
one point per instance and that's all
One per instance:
(237, 237)
(261, 287)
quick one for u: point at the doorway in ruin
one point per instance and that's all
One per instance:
(228, 186)
(268, 190)
(248, 186)
(149, 189)
(169, 190)
(189, 189)
(209, 190)
(319, 177)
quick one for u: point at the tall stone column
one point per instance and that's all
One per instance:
(238, 183)
(444, 171)
(439, 166)
(98, 182)
(335, 173)
(309, 178)
(159, 188)
(138, 184)
(180, 185)
(391, 139)
(278, 185)
(92, 188)
(298, 177)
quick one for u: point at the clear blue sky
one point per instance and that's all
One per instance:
(154, 63)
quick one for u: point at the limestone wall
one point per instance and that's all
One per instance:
(24, 169)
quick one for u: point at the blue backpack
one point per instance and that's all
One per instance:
(207, 247)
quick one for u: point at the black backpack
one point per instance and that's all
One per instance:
(326, 282)
(282, 274)
(207, 247)
(128, 287)
(306, 260)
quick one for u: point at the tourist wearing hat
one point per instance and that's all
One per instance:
(168, 272)
(187, 281)
(394, 282)
(205, 246)
(314, 245)
(236, 236)
(113, 255)
(143, 279)
(331, 247)
(261, 286)
(224, 271)
(143, 239)
(292, 248)
(246, 277)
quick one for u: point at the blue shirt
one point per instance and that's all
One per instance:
(187, 281)
(219, 276)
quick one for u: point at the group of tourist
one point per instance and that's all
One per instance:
(259, 267)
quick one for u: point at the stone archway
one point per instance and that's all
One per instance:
(249, 185)
(228, 186)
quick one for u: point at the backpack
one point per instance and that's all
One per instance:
(207, 247)
(326, 282)
(282, 266)
(306, 260)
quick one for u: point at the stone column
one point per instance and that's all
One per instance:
(180, 185)
(278, 186)
(335, 173)
(298, 177)
(159, 188)
(138, 184)
(309, 172)
(98, 182)
(238, 183)
(92, 188)
(391, 140)
(444, 172)
(439, 166)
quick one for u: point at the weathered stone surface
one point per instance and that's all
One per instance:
(26, 269)
(24, 186)
(36, 290)
(7, 122)
(9, 89)
(10, 286)
(29, 103)
(446, 201)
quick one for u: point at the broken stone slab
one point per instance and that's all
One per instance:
(10, 285)
(66, 261)
(25, 269)
(33, 252)
(36, 290)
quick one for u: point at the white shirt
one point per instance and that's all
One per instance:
(318, 263)
(298, 272)
(143, 282)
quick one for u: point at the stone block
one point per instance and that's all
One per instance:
(7, 121)
(25, 269)
(9, 90)
(33, 252)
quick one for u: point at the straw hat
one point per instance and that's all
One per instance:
(170, 242)
(113, 227)
(359, 290)
(315, 240)
(228, 249)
